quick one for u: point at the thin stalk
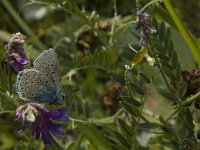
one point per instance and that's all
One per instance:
(151, 48)
(127, 82)
(150, 3)
(122, 26)
(142, 101)
(113, 23)
(57, 143)
(101, 121)
(183, 30)
(7, 112)
(185, 103)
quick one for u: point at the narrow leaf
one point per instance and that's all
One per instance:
(137, 88)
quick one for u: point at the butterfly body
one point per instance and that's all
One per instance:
(42, 82)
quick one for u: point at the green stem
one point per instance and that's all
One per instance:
(183, 30)
(102, 121)
(113, 23)
(57, 143)
(191, 99)
(122, 26)
(7, 112)
(22, 23)
(143, 101)
(150, 3)
(151, 48)
(185, 103)
(127, 82)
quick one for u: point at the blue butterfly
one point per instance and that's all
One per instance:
(42, 82)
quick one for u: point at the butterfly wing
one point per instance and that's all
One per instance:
(47, 63)
(32, 85)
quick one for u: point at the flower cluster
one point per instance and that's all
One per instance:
(143, 22)
(41, 120)
(15, 52)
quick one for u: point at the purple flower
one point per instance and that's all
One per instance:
(143, 23)
(15, 52)
(41, 120)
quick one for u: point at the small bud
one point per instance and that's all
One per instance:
(150, 60)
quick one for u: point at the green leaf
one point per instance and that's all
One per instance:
(134, 71)
(182, 90)
(147, 126)
(94, 136)
(174, 59)
(178, 72)
(170, 49)
(159, 47)
(163, 57)
(145, 78)
(131, 109)
(185, 121)
(122, 140)
(165, 93)
(124, 127)
(132, 101)
(118, 78)
(168, 71)
(137, 88)
(162, 31)
(167, 37)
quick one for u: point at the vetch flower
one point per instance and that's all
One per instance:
(143, 23)
(42, 121)
(150, 60)
(15, 52)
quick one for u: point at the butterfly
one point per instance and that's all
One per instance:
(42, 82)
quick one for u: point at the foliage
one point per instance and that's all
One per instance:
(120, 94)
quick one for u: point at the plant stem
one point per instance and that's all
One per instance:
(185, 103)
(150, 3)
(57, 143)
(113, 23)
(7, 112)
(127, 82)
(151, 48)
(122, 26)
(183, 30)
(142, 102)
(101, 121)
(191, 99)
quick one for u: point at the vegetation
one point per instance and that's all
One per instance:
(129, 72)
